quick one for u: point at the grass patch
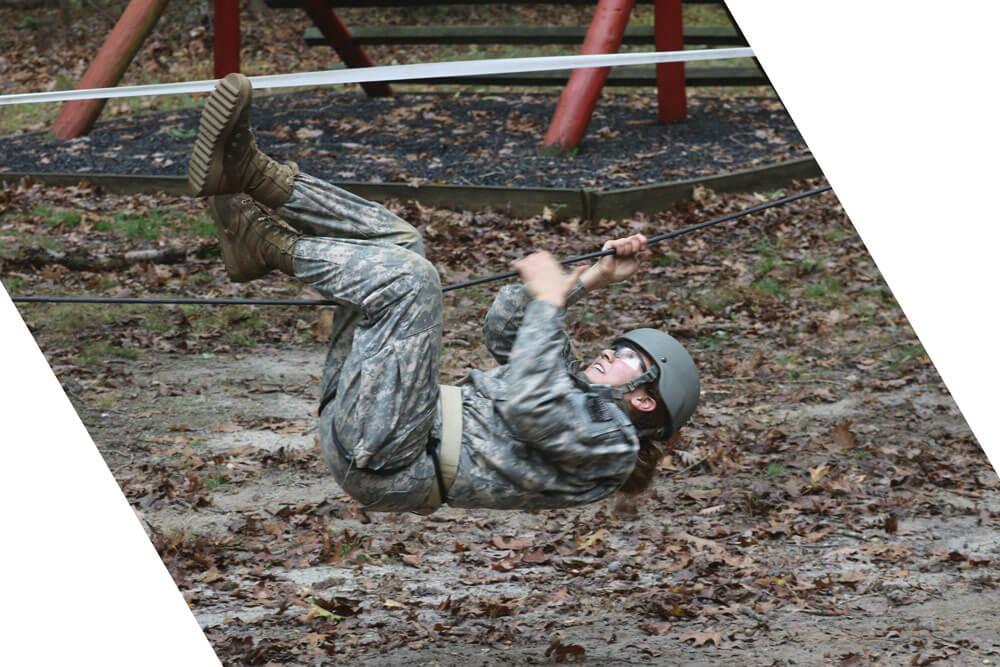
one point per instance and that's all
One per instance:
(13, 284)
(714, 299)
(349, 543)
(241, 339)
(906, 353)
(768, 248)
(835, 233)
(663, 260)
(715, 340)
(217, 481)
(180, 132)
(237, 324)
(770, 252)
(884, 295)
(768, 264)
(27, 117)
(771, 286)
(154, 223)
(791, 364)
(56, 217)
(199, 278)
(478, 294)
(99, 351)
(77, 321)
(824, 288)
(104, 283)
(808, 265)
(202, 226)
(775, 469)
(148, 225)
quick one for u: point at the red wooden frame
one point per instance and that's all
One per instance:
(77, 117)
(226, 37)
(339, 37)
(668, 32)
(579, 97)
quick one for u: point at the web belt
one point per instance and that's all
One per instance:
(444, 452)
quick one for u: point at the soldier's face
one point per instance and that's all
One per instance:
(615, 367)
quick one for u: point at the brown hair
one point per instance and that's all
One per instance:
(651, 452)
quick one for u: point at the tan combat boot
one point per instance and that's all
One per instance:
(225, 159)
(252, 241)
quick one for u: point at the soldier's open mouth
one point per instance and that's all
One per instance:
(599, 367)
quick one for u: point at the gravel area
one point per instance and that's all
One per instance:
(468, 140)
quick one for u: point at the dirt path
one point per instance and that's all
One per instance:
(483, 588)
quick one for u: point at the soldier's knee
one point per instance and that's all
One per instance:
(421, 275)
(408, 272)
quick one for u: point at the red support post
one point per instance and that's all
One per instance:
(579, 97)
(339, 37)
(668, 33)
(226, 37)
(137, 22)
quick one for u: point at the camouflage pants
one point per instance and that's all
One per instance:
(381, 369)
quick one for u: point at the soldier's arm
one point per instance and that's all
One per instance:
(504, 318)
(585, 433)
(507, 312)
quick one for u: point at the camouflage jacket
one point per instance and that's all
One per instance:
(535, 434)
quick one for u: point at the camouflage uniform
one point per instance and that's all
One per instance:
(535, 434)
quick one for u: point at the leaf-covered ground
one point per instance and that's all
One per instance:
(828, 504)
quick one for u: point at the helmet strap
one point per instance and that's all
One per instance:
(644, 379)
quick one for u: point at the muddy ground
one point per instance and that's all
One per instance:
(478, 587)
(827, 505)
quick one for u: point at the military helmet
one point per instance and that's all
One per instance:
(675, 375)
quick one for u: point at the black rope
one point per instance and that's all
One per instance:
(448, 288)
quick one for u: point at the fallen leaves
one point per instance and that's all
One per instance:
(564, 652)
(335, 608)
(702, 638)
(842, 436)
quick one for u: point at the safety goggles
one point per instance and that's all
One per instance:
(630, 356)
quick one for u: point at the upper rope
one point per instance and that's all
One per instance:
(392, 73)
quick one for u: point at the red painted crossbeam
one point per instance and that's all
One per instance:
(668, 33)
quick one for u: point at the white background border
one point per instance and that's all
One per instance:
(899, 107)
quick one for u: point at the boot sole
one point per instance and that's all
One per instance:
(205, 169)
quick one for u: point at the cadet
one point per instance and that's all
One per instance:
(535, 432)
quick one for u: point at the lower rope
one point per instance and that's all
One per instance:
(468, 283)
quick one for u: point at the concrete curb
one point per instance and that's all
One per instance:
(569, 203)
